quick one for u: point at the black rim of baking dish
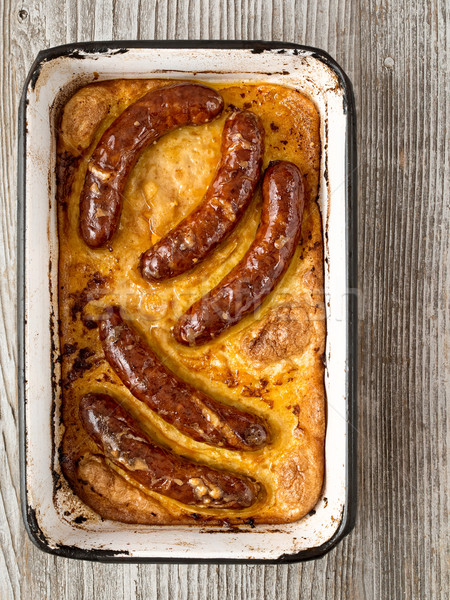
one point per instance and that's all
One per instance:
(117, 47)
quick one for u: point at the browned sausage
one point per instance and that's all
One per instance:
(191, 411)
(226, 199)
(256, 275)
(127, 446)
(153, 115)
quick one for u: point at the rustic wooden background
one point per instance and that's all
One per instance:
(396, 54)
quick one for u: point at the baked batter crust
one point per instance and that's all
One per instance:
(270, 364)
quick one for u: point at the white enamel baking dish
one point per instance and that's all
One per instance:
(52, 514)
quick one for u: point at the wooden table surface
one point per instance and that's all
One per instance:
(396, 54)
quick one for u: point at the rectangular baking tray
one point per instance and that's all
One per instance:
(49, 507)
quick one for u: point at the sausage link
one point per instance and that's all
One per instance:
(189, 410)
(152, 116)
(127, 446)
(246, 286)
(226, 199)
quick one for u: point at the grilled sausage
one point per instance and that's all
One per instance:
(189, 410)
(158, 112)
(256, 275)
(127, 446)
(229, 194)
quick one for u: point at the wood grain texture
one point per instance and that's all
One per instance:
(396, 54)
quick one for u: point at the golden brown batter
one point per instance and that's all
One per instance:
(270, 364)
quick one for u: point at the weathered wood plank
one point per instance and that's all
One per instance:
(396, 53)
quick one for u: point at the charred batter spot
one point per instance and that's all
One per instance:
(80, 365)
(231, 382)
(284, 332)
(69, 349)
(274, 127)
(249, 392)
(95, 288)
(66, 167)
(268, 402)
(108, 378)
(90, 323)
